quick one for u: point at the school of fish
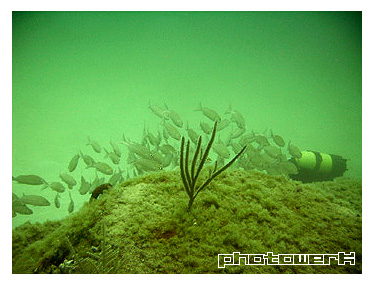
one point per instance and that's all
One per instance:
(159, 150)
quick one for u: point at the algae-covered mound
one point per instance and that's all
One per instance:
(142, 226)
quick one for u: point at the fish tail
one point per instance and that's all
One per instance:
(229, 109)
(199, 107)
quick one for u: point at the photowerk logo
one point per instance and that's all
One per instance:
(237, 258)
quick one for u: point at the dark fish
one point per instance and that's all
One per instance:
(85, 186)
(19, 207)
(206, 128)
(95, 146)
(278, 140)
(192, 134)
(172, 131)
(99, 190)
(294, 151)
(30, 180)
(103, 168)
(69, 180)
(73, 163)
(161, 113)
(57, 200)
(236, 117)
(57, 186)
(112, 156)
(209, 113)
(87, 159)
(34, 200)
(71, 204)
(174, 117)
(115, 148)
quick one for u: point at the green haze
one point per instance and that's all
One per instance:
(80, 74)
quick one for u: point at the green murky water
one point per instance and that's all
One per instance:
(80, 74)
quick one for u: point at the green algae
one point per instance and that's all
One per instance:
(249, 212)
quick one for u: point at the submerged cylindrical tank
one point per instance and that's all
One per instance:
(316, 166)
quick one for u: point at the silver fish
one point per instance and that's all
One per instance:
(30, 180)
(294, 151)
(155, 141)
(57, 201)
(103, 168)
(157, 157)
(172, 131)
(277, 140)
(289, 167)
(85, 186)
(161, 113)
(221, 150)
(116, 178)
(143, 164)
(138, 149)
(247, 138)
(209, 113)
(97, 181)
(167, 160)
(272, 151)
(273, 170)
(73, 163)
(223, 124)
(235, 146)
(87, 159)
(35, 200)
(165, 135)
(167, 148)
(175, 118)
(192, 134)
(236, 117)
(112, 156)
(71, 204)
(115, 148)
(95, 146)
(19, 207)
(236, 133)
(261, 140)
(57, 186)
(206, 128)
(69, 180)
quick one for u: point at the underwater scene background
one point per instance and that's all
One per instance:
(81, 77)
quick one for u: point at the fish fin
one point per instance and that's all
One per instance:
(229, 109)
(107, 153)
(45, 185)
(271, 133)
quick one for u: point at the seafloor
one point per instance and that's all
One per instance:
(142, 226)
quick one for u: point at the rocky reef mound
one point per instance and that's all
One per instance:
(142, 226)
